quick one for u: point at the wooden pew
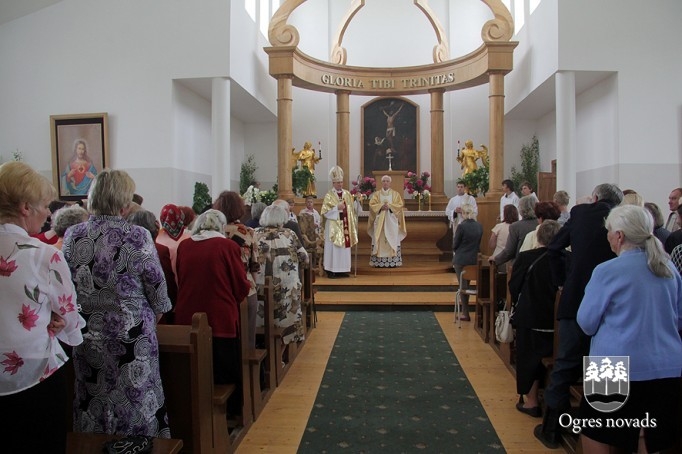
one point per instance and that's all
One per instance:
(247, 418)
(261, 394)
(252, 359)
(308, 295)
(196, 407)
(484, 300)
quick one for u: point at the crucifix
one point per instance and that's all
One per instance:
(389, 156)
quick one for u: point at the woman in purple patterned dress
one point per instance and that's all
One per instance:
(122, 294)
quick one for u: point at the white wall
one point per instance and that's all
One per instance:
(123, 57)
(627, 124)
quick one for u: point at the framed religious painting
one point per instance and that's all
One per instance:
(80, 146)
(390, 135)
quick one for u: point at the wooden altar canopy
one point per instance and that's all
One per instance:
(487, 64)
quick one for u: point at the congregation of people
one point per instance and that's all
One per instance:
(615, 262)
(97, 281)
(112, 273)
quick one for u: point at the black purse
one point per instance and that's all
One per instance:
(525, 282)
(132, 444)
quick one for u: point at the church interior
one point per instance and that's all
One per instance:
(192, 90)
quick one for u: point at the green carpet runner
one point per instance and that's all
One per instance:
(393, 384)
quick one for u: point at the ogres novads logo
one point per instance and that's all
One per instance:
(606, 381)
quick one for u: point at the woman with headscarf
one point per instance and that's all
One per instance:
(37, 310)
(172, 231)
(231, 205)
(281, 253)
(122, 294)
(212, 279)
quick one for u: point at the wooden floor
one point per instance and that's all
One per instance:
(280, 427)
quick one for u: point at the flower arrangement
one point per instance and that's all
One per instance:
(418, 184)
(267, 197)
(364, 188)
(251, 195)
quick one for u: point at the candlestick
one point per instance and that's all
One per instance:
(319, 149)
(458, 148)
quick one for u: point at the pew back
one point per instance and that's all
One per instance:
(186, 364)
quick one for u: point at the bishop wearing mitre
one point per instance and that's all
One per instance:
(386, 226)
(340, 226)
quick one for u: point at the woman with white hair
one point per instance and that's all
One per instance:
(466, 247)
(66, 217)
(633, 307)
(281, 254)
(212, 279)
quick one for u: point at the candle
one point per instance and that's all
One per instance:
(429, 202)
(458, 148)
(319, 149)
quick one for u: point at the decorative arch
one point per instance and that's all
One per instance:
(487, 64)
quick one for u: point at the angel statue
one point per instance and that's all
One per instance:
(468, 156)
(307, 159)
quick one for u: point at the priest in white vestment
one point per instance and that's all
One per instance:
(340, 227)
(386, 225)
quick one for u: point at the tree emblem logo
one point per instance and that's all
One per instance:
(606, 382)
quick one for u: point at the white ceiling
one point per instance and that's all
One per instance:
(13, 9)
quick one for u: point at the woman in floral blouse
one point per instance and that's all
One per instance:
(37, 307)
(281, 253)
(122, 294)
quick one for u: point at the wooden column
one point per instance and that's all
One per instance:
(343, 134)
(496, 147)
(437, 158)
(284, 136)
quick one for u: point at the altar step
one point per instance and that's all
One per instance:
(428, 285)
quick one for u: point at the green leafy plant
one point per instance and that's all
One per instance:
(247, 173)
(478, 180)
(530, 166)
(202, 198)
(300, 177)
(267, 197)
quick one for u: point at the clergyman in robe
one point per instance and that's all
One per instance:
(340, 226)
(386, 226)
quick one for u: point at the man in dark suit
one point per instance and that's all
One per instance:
(585, 233)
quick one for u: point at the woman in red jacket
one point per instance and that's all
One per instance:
(212, 279)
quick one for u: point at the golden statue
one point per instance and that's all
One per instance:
(307, 159)
(468, 156)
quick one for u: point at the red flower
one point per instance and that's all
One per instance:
(426, 174)
(65, 304)
(12, 363)
(27, 317)
(7, 267)
(55, 258)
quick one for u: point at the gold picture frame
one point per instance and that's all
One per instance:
(80, 147)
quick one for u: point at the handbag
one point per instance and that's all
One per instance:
(504, 331)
